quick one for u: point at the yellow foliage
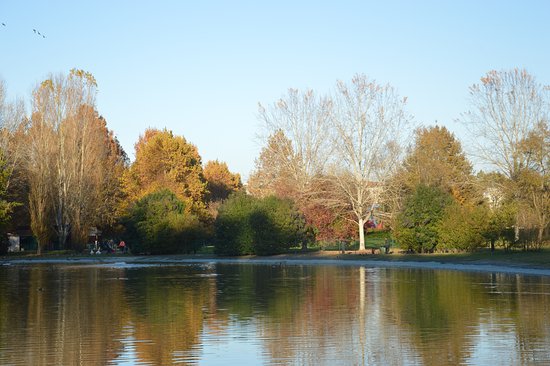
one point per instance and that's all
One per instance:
(164, 160)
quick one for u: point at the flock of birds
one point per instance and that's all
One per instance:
(34, 30)
(37, 32)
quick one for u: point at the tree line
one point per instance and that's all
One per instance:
(347, 159)
(332, 167)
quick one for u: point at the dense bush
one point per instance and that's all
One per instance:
(248, 225)
(499, 228)
(462, 228)
(276, 226)
(233, 232)
(417, 224)
(159, 224)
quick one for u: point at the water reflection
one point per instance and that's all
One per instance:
(250, 314)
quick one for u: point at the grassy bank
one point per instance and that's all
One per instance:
(538, 259)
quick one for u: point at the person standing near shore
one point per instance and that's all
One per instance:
(122, 246)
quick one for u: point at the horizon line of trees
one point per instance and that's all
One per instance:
(332, 167)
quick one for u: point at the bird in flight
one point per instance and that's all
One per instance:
(4, 24)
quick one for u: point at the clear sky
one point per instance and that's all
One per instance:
(200, 68)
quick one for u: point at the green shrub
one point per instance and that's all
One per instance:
(462, 228)
(500, 226)
(417, 224)
(159, 224)
(277, 225)
(248, 225)
(233, 232)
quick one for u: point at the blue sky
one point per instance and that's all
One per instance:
(200, 68)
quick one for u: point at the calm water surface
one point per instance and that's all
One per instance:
(221, 314)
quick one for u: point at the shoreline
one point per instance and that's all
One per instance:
(334, 259)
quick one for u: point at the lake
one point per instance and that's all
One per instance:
(249, 314)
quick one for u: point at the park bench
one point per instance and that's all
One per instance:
(385, 248)
(373, 248)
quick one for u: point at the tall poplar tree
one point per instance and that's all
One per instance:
(68, 156)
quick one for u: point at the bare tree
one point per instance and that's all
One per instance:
(507, 105)
(368, 122)
(298, 141)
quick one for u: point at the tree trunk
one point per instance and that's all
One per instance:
(361, 234)
(63, 235)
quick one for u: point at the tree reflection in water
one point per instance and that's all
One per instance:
(270, 314)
